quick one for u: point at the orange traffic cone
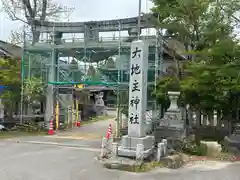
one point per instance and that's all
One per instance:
(109, 133)
(50, 130)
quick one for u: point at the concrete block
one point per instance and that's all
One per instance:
(103, 147)
(139, 152)
(160, 151)
(115, 149)
(164, 141)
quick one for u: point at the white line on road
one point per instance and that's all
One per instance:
(81, 147)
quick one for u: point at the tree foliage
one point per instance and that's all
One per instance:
(33, 89)
(196, 23)
(10, 77)
(10, 71)
(206, 28)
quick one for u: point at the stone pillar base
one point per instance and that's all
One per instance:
(129, 146)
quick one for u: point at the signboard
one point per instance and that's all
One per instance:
(137, 89)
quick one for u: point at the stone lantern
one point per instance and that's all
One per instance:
(173, 97)
(173, 117)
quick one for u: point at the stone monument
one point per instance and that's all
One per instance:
(173, 116)
(100, 107)
(137, 104)
(232, 142)
(172, 125)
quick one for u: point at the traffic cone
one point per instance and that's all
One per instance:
(78, 124)
(50, 130)
(109, 133)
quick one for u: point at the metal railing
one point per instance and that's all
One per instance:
(97, 39)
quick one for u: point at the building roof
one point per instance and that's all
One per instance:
(11, 50)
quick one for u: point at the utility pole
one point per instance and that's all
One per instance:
(119, 122)
(22, 76)
(139, 17)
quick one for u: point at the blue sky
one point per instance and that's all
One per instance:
(89, 10)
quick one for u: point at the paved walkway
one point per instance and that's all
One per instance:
(94, 130)
(86, 136)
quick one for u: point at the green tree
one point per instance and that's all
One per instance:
(10, 77)
(205, 27)
(33, 93)
(196, 23)
(33, 90)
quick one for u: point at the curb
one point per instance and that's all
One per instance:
(205, 158)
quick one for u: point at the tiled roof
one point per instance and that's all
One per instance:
(9, 49)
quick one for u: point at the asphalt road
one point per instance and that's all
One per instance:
(26, 161)
(45, 158)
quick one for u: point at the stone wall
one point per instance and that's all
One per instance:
(210, 132)
(167, 132)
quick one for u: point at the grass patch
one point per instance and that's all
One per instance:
(96, 119)
(138, 168)
(12, 134)
(145, 167)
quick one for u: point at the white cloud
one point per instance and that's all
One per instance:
(85, 11)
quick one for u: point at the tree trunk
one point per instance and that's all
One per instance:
(190, 116)
(9, 111)
(219, 118)
(225, 119)
(210, 117)
(35, 36)
(29, 109)
(198, 118)
(205, 119)
(198, 124)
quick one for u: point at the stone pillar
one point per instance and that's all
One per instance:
(53, 75)
(103, 147)
(164, 141)
(50, 94)
(137, 103)
(115, 149)
(160, 151)
(137, 89)
(139, 152)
